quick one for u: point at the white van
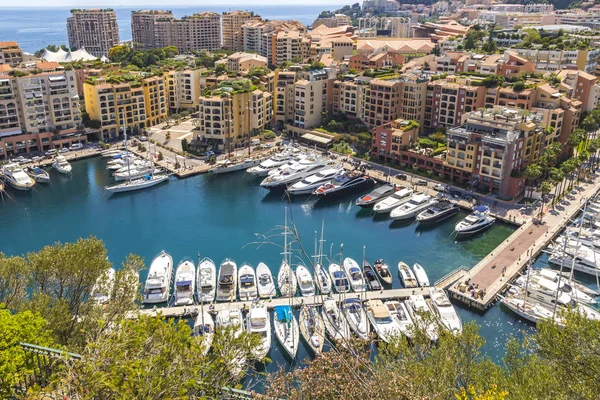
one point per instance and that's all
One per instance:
(51, 152)
(255, 142)
(76, 146)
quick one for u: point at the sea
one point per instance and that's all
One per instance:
(36, 28)
(231, 216)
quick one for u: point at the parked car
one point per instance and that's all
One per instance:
(440, 187)
(421, 182)
(268, 145)
(51, 152)
(76, 146)
(402, 176)
(37, 159)
(143, 138)
(63, 150)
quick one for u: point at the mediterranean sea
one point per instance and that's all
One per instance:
(37, 27)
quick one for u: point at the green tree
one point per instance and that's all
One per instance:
(119, 53)
(533, 172)
(14, 279)
(220, 69)
(545, 188)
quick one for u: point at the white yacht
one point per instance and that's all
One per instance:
(335, 323)
(185, 282)
(305, 280)
(312, 329)
(259, 322)
(323, 279)
(355, 275)
(133, 173)
(226, 166)
(266, 285)
(286, 329)
(580, 258)
(420, 275)
(144, 182)
(158, 283)
(16, 177)
(400, 314)
(357, 317)
(339, 278)
(444, 310)
(286, 280)
(62, 165)
(412, 207)
(264, 167)
(383, 271)
(421, 315)
(296, 171)
(575, 289)
(204, 327)
(38, 175)
(407, 276)
(395, 200)
(227, 281)
(102, 290)
(312, 182)
(232, 320)
(247, 283)
(384, 325)
(477, 221)
(530, 310)
(206, 280)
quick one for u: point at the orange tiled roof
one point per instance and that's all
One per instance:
(8, 44)
(5, 68)
(47, 65)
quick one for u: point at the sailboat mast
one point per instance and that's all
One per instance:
(127, 161)
(200, 292)
(576, 243)
(560, 272)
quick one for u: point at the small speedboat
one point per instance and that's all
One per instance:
(38, 175)
(102, 290)
(204, 327)
(438, 212)
(353, 272)
(286, 280)
(158, 283)
(407, 276)
(206, 280)
(357, 317)
(384, 325)
(312, 328)
(305, 281)
(339, 278)
(286, 329)
(371, 276)
(185, 282)
(323, 279)
(383, 271)
(444, 311)
(62, 165)
(247, 283)
(259, 322)
(335, 323)
(418, 309)
(227, 281)
(400, 314)
(396, 199)
(420, 275)
(475, 222)
(266, 285)
(378, 194)
(412, 207)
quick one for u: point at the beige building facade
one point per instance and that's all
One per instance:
(95, 30)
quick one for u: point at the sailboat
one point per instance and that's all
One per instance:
(204, 327)
(286, 280)
(143, 182)
(321, 276)
(312, 329)
(335, 323)
(356, 317)
(286, 329)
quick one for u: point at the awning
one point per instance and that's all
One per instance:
(314, 138)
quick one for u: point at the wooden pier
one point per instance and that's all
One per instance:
(480, 286)
(185, 311)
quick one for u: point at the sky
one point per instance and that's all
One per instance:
(127, 3)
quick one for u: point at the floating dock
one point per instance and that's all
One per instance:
(480, 286)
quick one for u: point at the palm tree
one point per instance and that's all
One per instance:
(545, 188)
(556, 177)
(532, 173)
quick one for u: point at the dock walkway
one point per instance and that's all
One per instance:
(502, 266)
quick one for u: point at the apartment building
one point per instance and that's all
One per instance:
(143, 103)
(392, 27)
(581, 86)
(232, 23)
(200, 31)
(313, 96)
(448, 99)
(10, 53)
(38, 111)
(290, 46)
(390, 139)
(183, 89)
(285, 98)
(240, 61)
(539, 8)
(95, 30)
(260, 36)
(333, 22)
(349, 97)
(229, 118)
(556, 60)
(143, 24)
(413, 98)
(382, 102)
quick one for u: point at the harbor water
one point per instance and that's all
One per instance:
(223, 217)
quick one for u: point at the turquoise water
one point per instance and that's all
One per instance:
(219, 217)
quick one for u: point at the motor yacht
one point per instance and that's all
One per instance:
(376, 195)
(412, 207)
(305, 281)
(383, 324)
(383, 271)
(286, 329)
(335, 324)
(312, 182)
(294, 174)
(102, 290)
(574, 288)
(226, 166)
(38, 175)
(420, 275)
(226, 282)
(400, 314)
(396, 199)
(204, 327)
(267, 165)
(344, 185)
(323, 279)
(259, 322)
(266, 285)
(580, 258)
(421, 315)
(339, 278)
(286, 280)
(371, 276)
(312, 329)
(444, 311)
(357, 317)
(14, 175)
(477, 221)
(62, 165)
(158, 283)
(437, 212)
(407, 276)
(247, 283)
(355, 275)
(206, 280)
(185, 282)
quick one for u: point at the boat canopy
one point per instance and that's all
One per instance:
(283, 313)
(184, 283)
(481, 209)
(247, 279)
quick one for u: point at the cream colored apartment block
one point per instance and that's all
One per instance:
(143, 27)
(183, 89)
(201, 31)
(232, 23)
(94, 29)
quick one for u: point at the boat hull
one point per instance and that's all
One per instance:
(475, 229)
(124, 187)
(345, 191)
(235, 168)
(438, 217)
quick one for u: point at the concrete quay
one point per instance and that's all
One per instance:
(492, 275)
